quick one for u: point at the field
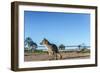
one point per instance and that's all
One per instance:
(43, 55)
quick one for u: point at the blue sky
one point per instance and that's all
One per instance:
(57, 27)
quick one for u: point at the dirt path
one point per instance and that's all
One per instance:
(44, 56)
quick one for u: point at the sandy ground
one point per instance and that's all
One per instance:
(44, 56)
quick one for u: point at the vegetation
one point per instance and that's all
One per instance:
(29, 44)
(30, 47)
(36, 51)
(39, 51)
(62, 47)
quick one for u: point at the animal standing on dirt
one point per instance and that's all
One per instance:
(52, 49)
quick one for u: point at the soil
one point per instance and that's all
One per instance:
(44, 56)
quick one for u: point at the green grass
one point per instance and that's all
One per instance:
(40, 51)
(35, 51)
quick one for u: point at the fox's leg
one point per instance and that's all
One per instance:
(59, 55)
(51, 56)
(55, 56)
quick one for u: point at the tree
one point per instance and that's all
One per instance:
(79, 46)
(84, 48)
(29, 44)
(62, 47)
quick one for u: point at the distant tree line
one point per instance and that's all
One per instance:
(30, 45)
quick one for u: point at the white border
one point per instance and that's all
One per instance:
(23, 64)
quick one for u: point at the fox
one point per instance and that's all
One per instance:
(52, 49)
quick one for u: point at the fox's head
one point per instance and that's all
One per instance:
(44, 42)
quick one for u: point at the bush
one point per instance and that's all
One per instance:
(39, 51)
